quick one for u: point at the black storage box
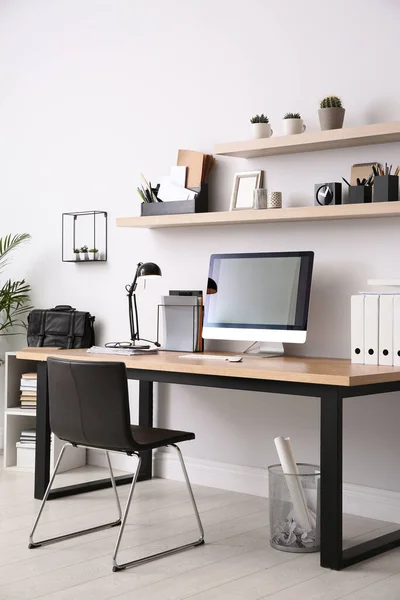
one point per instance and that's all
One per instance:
(198, 205)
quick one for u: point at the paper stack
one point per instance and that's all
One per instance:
(28, 388)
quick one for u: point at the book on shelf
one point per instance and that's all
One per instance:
(28, 436)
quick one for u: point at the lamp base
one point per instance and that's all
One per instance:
(139, 346)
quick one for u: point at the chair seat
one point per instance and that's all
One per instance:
(154, 437)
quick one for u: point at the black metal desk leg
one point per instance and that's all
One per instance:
(146, 419)
(331, 478)
(42, 454)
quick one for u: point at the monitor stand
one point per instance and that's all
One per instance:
(266, 350)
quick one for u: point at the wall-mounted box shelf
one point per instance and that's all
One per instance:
(237, 217)
(364, 135)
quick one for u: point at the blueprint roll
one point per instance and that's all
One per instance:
(289, 466)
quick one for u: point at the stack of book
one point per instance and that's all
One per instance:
(28, 437)
(28, 387)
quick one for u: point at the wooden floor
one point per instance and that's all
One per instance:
(236, 563)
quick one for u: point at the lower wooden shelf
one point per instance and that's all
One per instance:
(277, 215)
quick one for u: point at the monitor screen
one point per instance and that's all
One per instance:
(259, 291)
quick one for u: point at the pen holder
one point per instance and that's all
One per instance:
(198, 205)
(359, 194)
(386, 188)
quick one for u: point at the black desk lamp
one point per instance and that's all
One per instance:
(145, 270)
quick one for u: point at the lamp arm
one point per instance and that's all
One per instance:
(132, 288)
(131, 319)
(136, 317)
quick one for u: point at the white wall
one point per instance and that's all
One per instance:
(93, 92)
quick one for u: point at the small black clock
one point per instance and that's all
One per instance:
(328, 193)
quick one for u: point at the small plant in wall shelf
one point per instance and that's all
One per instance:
(84, 252)
(261, 127)
(331, 113)
(293, 123)
(94, 254)
(77, 254)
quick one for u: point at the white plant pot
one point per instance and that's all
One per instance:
(77, 256)
(261, 130)
(84, 255)
(93, 256)
(293, 126)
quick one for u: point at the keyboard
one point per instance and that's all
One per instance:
(213, 357)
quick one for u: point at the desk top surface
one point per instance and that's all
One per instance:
(325, 371)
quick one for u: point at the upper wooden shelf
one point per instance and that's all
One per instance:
(303, 213)
(379, 133)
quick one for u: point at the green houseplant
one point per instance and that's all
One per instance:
(293, 123)
(14, 295)
(260, 127)
(331, 113)
(93, 254)
(77, 255)
(84, 251)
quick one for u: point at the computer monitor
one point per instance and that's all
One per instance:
(259, 297)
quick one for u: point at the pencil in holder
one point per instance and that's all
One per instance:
(359, 194)
(386, 188)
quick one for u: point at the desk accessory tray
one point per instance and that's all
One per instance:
(198, 205)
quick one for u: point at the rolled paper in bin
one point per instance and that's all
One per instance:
(301, 513)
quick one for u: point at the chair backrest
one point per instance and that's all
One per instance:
(89, 403)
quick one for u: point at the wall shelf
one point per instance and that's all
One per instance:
(378, 133)
(301, 213)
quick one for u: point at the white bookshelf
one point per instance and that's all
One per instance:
(16, 419)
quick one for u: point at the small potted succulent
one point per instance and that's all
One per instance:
(261, 127)
(293, 123)
(93, 254)
(84, 252)
(76, 253)
(331, 113)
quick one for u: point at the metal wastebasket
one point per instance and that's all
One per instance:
(294, 508)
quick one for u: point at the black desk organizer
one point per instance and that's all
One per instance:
(386, 188)
(198, 205)
(359, 194)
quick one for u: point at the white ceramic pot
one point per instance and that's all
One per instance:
(77, 256)
(93, 255)
(84, 255)
(293, 126)
(261, 130)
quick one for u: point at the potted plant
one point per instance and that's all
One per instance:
(84, 252)
(77, 255)
(331, 113)
(93, 254)
(14, 294)
(261, 127)
(293, 123)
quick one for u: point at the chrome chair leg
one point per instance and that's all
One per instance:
(68, 536)
(141, 561)
(114, 486)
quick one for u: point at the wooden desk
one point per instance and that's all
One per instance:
(331, 380)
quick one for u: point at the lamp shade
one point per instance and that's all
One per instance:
(149, 269)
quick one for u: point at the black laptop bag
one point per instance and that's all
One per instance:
(61, 327)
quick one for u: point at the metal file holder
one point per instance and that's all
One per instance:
(196, 339)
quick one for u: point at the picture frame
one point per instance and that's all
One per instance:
(243, 186)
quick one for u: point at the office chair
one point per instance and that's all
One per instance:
(89, 407)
